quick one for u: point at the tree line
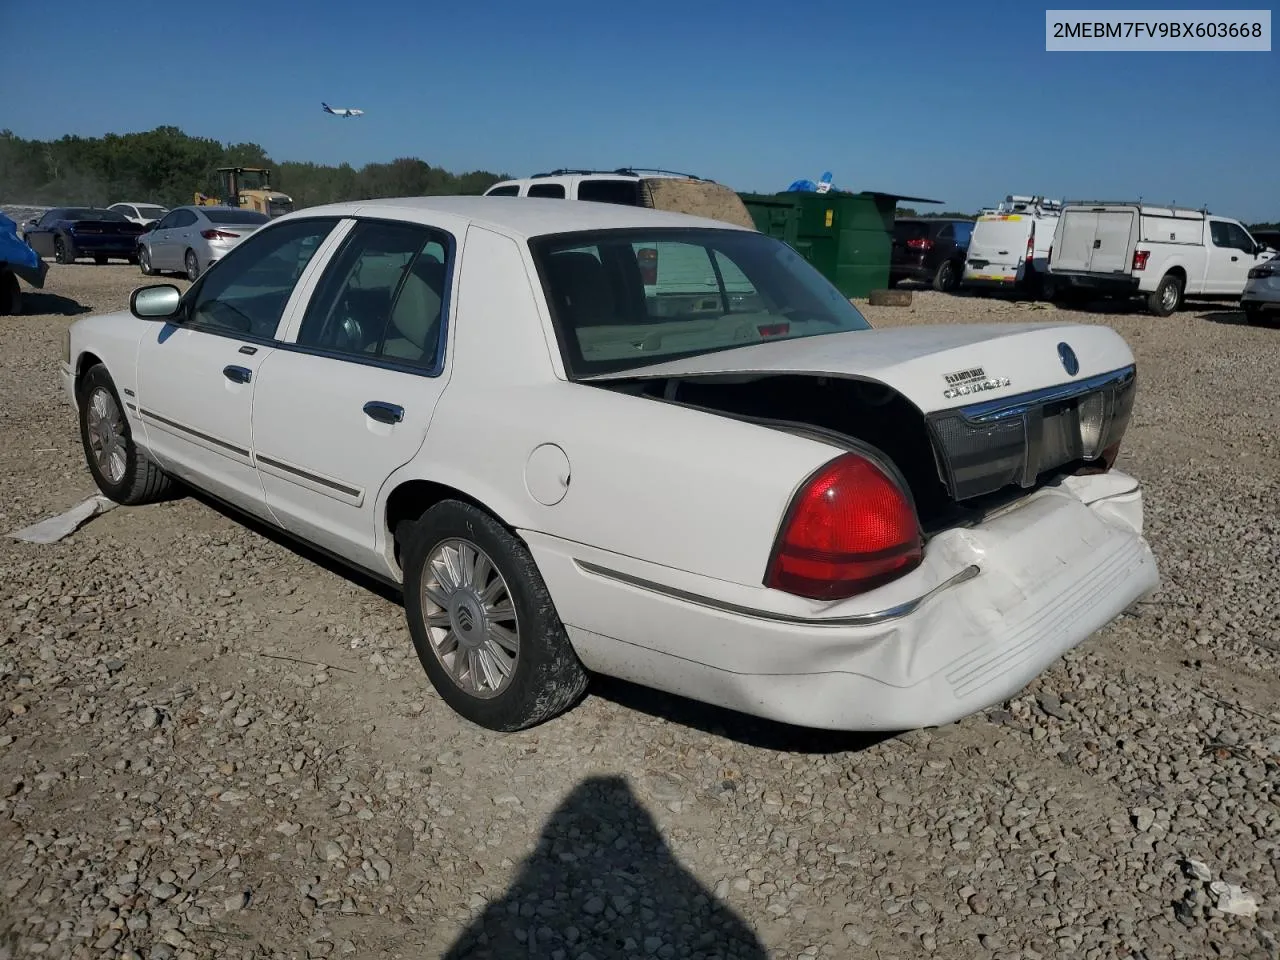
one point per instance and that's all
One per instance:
(168, 166)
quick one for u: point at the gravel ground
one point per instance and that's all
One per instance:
(215, 745)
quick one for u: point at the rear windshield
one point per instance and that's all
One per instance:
(236, 216)
(623, 299)
(152, 213)
(80, 213)
(610, 191)
(910, 230)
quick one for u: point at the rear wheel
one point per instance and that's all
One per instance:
(1256, 317)
(62, 251)
(119, 468)
(193, 266)
(1167, 297)
(947, 277)
(100, 260)
(482, 621)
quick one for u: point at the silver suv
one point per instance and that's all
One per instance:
(1261, 298)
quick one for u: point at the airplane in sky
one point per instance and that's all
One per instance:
(342, 111)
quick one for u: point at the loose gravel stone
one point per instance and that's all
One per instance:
(213, 746)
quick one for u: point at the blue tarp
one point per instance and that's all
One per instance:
(21, 259)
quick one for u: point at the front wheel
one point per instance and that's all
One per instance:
(1166, 297)
(1254, 316)
(63, 253)
(10, 294)
(482, 621)
(144, 262)
(121, 471)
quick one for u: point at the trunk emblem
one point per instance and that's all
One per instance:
(1069, 361)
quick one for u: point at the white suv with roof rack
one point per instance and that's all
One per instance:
(634, 187)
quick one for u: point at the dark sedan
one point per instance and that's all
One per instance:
(68, 233)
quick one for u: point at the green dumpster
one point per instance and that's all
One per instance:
(846, 236)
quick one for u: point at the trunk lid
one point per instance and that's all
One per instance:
(935, 367)
(1003, 404)
(110, 228)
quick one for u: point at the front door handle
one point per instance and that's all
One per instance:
(383, 412)
(237, 374)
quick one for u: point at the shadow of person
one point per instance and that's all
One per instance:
(603, 884)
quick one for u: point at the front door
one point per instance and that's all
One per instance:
(1231, 257)
(197, 374)
(337, 413)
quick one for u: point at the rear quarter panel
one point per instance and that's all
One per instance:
(646, 479)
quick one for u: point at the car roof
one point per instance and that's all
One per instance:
(521, 217)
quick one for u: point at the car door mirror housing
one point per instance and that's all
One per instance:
(156, 302)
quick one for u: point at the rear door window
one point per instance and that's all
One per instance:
(511, 191)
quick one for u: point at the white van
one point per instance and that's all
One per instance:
(1009, 249)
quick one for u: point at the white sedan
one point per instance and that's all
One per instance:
(736, 491)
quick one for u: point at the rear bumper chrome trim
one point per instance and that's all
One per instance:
(872, 618)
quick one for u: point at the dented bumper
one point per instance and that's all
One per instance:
(990, 609)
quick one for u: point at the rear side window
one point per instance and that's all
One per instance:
(626, 192)
(512, 191)
(964, 232)
(554, 191)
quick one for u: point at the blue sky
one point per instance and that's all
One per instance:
(954, 101)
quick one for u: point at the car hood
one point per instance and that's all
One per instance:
(935, 367)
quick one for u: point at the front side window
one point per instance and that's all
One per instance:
(510, 191)
(382, 297)
(624, 299)
(247, 292)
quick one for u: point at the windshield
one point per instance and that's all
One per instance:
(235, 216)
(79, 213)
(623, 299)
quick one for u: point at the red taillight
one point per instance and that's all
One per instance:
(920, 243)
(774, 329)
(850, 529)
(1031, 247)
(1140, 258)
(218, 235)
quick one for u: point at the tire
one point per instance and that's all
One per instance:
(129, 477)
(192, 265)
(63, 253)
(1048, 287)
(1166, 298)
(1255, 316)
(144, 262)
(10, 294)
(947, 277)
(545, 678)
(100, 261)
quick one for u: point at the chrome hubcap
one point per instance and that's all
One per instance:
(107, 438)
(470, 618)
(1170, 296)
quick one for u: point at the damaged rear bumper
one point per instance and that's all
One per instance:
(933, 647)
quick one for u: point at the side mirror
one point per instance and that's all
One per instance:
(156, 302)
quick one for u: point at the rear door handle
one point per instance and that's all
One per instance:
(237, 374)
(383, 412)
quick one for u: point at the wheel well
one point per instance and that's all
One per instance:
(86, 362)
(1177, 272)
(413, 498)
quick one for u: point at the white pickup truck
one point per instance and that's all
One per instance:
(1160, 253)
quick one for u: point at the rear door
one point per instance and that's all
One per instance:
(998, 244)
(1073, 242)
(1112, 242)
(350, 401)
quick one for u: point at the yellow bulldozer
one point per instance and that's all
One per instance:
(250, 189)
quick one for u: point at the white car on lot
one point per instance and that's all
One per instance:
(1261, 298)
(766, 505)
